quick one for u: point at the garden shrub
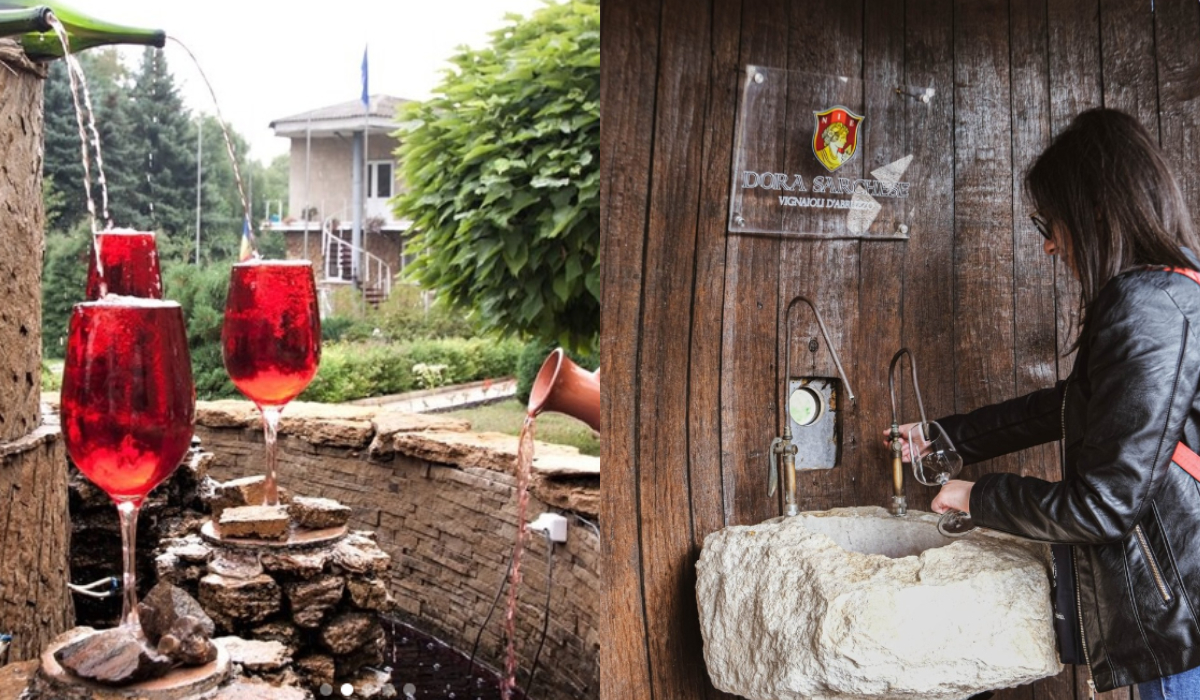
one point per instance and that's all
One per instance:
(356, 370)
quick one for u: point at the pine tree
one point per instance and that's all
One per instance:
(162, 136)
(62, 162)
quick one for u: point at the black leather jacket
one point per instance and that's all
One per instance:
(1131, 514)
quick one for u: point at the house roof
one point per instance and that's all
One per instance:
(344, 117)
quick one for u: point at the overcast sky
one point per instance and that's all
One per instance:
(269, 59)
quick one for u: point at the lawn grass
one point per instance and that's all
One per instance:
(508, 416)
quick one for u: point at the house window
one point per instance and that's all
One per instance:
(379, 179)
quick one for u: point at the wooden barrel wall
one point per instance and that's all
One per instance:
(693, 327)
(35, 604)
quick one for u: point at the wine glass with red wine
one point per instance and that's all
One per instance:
(129, 260)
(128, 407)
(271, 341)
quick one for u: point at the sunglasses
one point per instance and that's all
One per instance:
(1042, 225)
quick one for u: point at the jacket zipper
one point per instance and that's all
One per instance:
(1078, 600)
(1158, 579)
(1087, 660)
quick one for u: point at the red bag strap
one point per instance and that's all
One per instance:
(1187, 460)
(1186, 272)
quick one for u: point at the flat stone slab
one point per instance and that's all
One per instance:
(297, 540)
(318, 513)
(180, 684)
(256, 656)
(854, 603)
(255, 522)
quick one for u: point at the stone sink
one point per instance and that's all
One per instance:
(855, 603)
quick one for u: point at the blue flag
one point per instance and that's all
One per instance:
(366, 99)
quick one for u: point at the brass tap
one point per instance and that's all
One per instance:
(899, 504)
(783, 450)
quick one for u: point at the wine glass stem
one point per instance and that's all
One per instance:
(270, 416)
(128, 511)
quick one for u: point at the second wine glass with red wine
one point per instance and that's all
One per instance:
(128, 407)
(129, 262)
(271, 341)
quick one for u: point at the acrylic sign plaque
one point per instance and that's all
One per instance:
(824, 156)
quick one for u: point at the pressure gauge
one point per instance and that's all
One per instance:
(805, 406)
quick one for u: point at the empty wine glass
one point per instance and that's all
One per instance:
(934, 462)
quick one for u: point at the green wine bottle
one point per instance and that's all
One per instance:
(34, 19)
(83, 31)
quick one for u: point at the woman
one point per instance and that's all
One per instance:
(1109, 206)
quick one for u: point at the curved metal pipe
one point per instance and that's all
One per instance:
(788, 348)
(912, 365)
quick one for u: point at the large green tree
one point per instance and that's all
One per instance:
(503, 178)
(166, 193)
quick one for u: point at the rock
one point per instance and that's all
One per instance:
(170, 569)
(254, 522)
(389, 424)
(318, 513)
(256, 656)
(579, 495)
(250, 689)
(228, 413)
(164, 605)
(234, 564)
(249, 491)
(112, 657)
(311, 601)
(189, 641)
(232, 601)
(358, 554)
(301, 565)
(369, 594)
(369, 684)
(369, 654)
(349, 632)
(854, 603)
(283, 632)
(316, 669)
(190, 550)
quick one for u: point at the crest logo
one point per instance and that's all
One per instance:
(835, 138)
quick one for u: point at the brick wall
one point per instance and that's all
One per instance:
(449, 530)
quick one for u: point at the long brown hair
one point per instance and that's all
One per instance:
(1105, 181)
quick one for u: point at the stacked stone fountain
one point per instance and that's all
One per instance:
(302, 587)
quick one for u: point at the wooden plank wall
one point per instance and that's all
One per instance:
(693, 326)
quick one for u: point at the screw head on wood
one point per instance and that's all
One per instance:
(758, 77)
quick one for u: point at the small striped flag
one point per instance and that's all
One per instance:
(247, 250)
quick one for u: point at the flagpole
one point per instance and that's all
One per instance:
(366, 98)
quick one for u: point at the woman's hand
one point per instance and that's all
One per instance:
(905, 449)
(955, 495)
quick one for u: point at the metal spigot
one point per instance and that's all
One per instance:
(899, 504)
(782, 448)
